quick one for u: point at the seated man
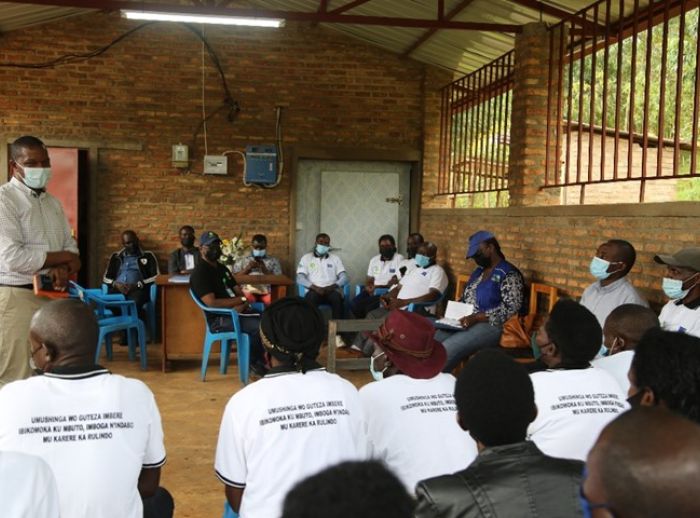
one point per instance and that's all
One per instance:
(27, 487)
(323, 273)
(613, 261)
(511, 476)
(495, 289)
(665, 371)
(381, 273)
(645, 464)
(622, 331)
(258, 263)
(131, 271)
(411, 400)
(349, 490)
(184, 259)
(99, 432)
(213, 283)
(682, 286)
(409, 263)
(574, 400)
(295, 421)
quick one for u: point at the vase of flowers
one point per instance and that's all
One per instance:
(231, 251)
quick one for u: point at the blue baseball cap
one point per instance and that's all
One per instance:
(208, 237)
(476, 239)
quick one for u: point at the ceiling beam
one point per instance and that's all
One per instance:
(543, 8)
(296, 16)
(348, 6)
(430, 32)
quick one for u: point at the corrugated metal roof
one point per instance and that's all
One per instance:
(458, 50)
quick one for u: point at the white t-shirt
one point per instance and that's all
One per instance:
(680, 318)
(283, 428)
(409, 264)
(321, 271)
(95, 430)
(27, 487)
(420, 281)
(383, 271)
(573, 406)
(412, 426)
(602, 300)
(618, 365)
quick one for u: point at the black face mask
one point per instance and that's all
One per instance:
(636, 400)
(387, 252)
(213, 254)
(131, 248)
(187, 242)
(481, 260)
(411, 251)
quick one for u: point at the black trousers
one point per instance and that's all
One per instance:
(363, 304)
(160, 505)
(334, 299)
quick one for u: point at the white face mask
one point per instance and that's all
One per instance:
(377, 375)
(36, 177)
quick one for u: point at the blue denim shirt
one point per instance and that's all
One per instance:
(129, 272)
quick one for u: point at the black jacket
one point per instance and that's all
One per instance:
(148, 266)
(515, 480)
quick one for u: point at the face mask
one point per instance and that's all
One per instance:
(36, 177)
(377, 375)
(213, 254)
(636, 400)
(481, 260)
(259, 253)
(130, 248)
(322, 249)
(422, 260)
(599, 268)
(603, 351)
(387, 252)
(536, 353)
(673, 288)
(187, 242)
(411, 251)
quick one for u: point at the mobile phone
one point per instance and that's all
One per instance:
(43, 287)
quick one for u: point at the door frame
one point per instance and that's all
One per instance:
(354, 154)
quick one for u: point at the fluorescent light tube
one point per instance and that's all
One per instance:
(196, 18)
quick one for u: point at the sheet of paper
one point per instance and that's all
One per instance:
(456, 310)
(189, 262)
(179, 279)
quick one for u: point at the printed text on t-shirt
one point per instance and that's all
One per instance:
(306, 415)
(598, 403)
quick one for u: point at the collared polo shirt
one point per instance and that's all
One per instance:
(383, 271)
(618, 365)
(321, 271)
(601, 300)
(96, 430)
(421, 280)
(676, 316)
(31, 225)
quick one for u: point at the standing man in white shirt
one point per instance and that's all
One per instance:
(381, 273)
(297, 420)
(622, 331)
(682, 285)
(411, 399)
(322, 273)
(99, 432)
(613, 261)
(34, 238)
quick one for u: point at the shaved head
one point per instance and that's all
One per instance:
(629, 322)
(67, 327)
(646, 463)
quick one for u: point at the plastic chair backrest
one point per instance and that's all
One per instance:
(413, 305)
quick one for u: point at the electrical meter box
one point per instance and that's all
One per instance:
(261, 164)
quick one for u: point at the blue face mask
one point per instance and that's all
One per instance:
(377, 375)
(599, 268)
(259, 253)
(536, 353)
(36, 177)
(673, 288)
(422, 260)
(322, 249)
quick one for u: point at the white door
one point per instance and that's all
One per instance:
(357, 208)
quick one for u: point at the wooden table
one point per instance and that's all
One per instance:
(182, 322)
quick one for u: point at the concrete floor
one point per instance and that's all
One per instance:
(191, 412)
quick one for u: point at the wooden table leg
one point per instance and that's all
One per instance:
(332, 331)
(163, 335)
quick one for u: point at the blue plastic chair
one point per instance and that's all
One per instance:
(127, 321)
(414, 305)
(149, 308)
(301, 290)
(377, 291)
(228, 512)
(225, 337)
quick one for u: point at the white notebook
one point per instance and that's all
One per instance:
(454, 312)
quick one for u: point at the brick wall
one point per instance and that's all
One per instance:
(145, 93)
(555, 245)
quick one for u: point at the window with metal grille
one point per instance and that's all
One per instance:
(624, 95)
(475, 130)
